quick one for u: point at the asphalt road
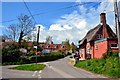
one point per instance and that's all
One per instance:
(55, 69)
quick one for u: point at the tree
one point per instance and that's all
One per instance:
(25, 26)
(12, 32)
(67, 45)
(48, 40)
(73, 47)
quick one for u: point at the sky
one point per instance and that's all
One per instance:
(61, 20)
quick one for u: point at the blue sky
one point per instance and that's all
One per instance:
(71, 23)
(51, 11)
(11, 10)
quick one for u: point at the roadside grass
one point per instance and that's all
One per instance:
(31, 67)
(109, 67)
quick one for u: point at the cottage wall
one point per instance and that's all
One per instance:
(100, 48)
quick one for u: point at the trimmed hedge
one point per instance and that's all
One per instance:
(47, 57)
(12, 55)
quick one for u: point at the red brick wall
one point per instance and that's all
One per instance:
(102, 48)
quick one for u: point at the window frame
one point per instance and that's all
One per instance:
(114, 44)
(98, 36)
(96, 47)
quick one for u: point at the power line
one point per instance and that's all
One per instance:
(29, 11)
(49, 11)
(45, 12)
(57, 10)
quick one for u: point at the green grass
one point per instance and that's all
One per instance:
(109, 67)
(31, 67)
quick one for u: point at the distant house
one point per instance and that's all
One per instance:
(98, 40)
(52, 47)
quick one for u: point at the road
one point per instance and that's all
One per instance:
(55, 69)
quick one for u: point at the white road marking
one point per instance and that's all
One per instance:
(34, 73)
(40, 71)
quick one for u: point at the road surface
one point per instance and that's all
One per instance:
(55, 69)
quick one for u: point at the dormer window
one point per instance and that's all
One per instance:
(99, 36)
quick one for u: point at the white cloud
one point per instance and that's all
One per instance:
(56, 27)
(75, 25)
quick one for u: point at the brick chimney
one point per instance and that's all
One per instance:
(103, 23)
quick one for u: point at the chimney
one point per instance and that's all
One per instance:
(103, 23)
(103, 18)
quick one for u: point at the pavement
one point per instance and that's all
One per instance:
(54, 69)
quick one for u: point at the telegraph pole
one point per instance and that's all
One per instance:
(117, 25)
(38, 35)
(37, 42)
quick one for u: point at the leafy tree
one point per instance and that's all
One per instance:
(73, 47)
(67, 45)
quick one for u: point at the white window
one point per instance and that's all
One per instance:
(114, 45)
(99, 36)
(88, 50)
(96, 47)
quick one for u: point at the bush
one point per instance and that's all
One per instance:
(10, 54)
(107, 54)
(47, 57)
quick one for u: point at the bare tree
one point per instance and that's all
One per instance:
(48, 40)
(12, 32)
(25, 26)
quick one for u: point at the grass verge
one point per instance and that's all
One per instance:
(109, 67)
(31, 67)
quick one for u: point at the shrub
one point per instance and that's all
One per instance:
(109, 66)
(10, 54)
(107, 54)
(39, 48)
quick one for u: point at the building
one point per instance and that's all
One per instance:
(98, 40)
(52, 47)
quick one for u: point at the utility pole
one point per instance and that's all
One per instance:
(37, 42)
(117, 25)
(38, 35)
